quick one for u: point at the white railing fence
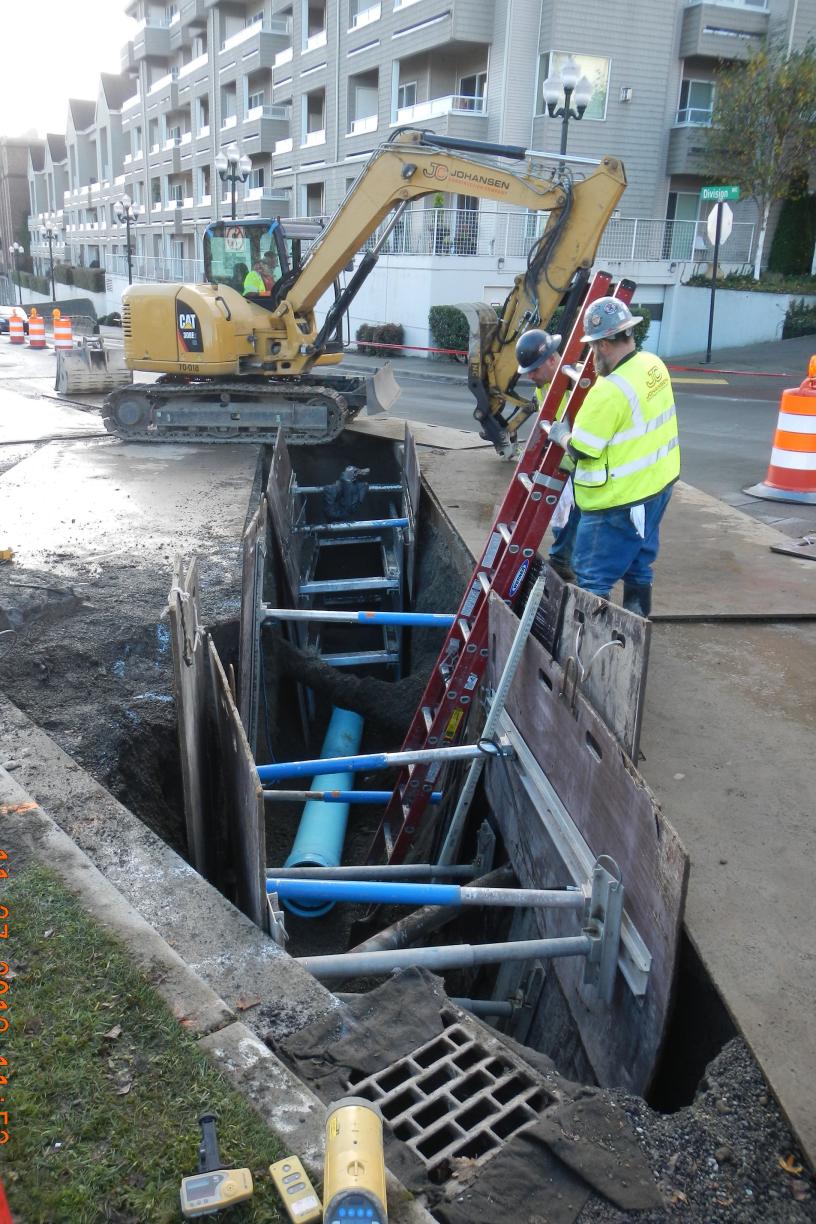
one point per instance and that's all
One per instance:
(509, 235)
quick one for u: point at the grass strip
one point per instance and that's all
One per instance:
(105, 1087)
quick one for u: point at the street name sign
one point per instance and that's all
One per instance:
(719, 193)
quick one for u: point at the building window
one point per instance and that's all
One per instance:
(406, 95)
(594, 67)
(313, 193)
(255, 99)
(696, 103)
(256, 19)
(474, 87)
(170, 11)
(256, 178)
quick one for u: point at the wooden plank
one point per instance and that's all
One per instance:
(253, 568)
(612, 645)
(189, 682)
(237, 800)
(616, 814)
(547, 624)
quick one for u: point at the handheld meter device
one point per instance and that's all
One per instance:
(354, 1173)
(212, 1188)
(297, 1192)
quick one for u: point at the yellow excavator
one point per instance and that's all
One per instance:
(239, 368)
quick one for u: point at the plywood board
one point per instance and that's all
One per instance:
(605, 652)
(190, 686)
(253, 548)
(280, 498)
(237, 800)
(616, 814)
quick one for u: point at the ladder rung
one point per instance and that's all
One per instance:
(505, 532)
(484, 581)
(464, 627)
(526, 482)
(428, 716)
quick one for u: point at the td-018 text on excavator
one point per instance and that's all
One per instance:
(239, 366)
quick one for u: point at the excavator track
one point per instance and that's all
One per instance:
(310, 412)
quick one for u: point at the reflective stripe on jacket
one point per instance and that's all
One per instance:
(626, 433)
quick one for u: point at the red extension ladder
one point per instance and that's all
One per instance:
(516, 533)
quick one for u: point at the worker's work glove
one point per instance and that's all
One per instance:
(560, 433)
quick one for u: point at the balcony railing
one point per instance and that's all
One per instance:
(129, 103)
(453, 231)
(365, 16)
(452, 104)
(156, 268)
(367, 124)
(283, 57)
(269, 112)
(317, 137)
(756, 6)
(283, 146)
(199, 62)
(694, 116)
(315, 40)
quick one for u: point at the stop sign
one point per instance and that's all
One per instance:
(726, 224)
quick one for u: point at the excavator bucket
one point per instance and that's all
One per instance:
(382, 391)
(91, 369)
(483, 323)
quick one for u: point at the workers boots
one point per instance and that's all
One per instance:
(637, 599)
(562, 568)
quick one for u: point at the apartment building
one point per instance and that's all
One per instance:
(307, 89)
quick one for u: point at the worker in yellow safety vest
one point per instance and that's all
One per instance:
(624, 452)
(537, 357)
(255, 281)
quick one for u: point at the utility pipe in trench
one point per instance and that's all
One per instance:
(456, 956)
(381, 892)
(322, 829)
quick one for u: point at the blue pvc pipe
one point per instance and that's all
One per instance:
(346, 796)
(322, 829)
(365, 891)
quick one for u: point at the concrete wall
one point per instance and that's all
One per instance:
(739, 318)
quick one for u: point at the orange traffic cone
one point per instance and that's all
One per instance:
(36, 331)
(16, 330)
(792, 470)
(63, 331)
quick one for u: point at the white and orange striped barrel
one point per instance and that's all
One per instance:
(792, 469)
(36, 331)
(63, 331)
(16, 330)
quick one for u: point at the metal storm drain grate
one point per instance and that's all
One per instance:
(454, 1098)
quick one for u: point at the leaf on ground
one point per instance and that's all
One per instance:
(47, 934)
(113, 1033)
(678, 1197)
(124, 1089)
(245, 1004)
(789, 1165)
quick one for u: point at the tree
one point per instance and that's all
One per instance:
(763, 128)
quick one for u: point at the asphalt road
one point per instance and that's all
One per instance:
(727, 424)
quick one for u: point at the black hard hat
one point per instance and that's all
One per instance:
(534, 348)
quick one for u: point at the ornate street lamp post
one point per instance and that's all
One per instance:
(561, 91)
(50, 233)
(15, 251)
(233, 168)
(125, 210)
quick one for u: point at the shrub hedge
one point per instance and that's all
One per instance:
(392, 334)
(449, 327)
(800, 320)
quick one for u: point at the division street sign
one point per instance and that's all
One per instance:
(719, 193)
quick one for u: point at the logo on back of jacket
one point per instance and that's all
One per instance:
(655, 381)
(189, 329)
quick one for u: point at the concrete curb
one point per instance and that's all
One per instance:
(290, 1110)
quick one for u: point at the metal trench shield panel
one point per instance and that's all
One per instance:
(609, 648)
(614, 813)
(411, 483)
(223, 800)
(252, 577)
(282, 515)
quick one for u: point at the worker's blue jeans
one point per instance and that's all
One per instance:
(608, 548)
(564, 538)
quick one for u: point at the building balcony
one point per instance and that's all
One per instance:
(358, 127)
(722, 31)
(127, 60)
(132, 103)
(151, 42)
(203, 132)
(264, 40)
(194, 65)
(687, 146)
(229, 121)
(419, 26)
(315, 41)
(283, 57)
(452, 104)
(165, 91)
(283, 146)
(365, 16)
(311, 139)
(259, 135)
(193, 13)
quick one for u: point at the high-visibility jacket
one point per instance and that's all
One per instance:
(254, 283)
(625, 436)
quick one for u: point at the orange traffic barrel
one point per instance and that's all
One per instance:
(792, 469)
(63, 331)
(16, 330)
(36, 331)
